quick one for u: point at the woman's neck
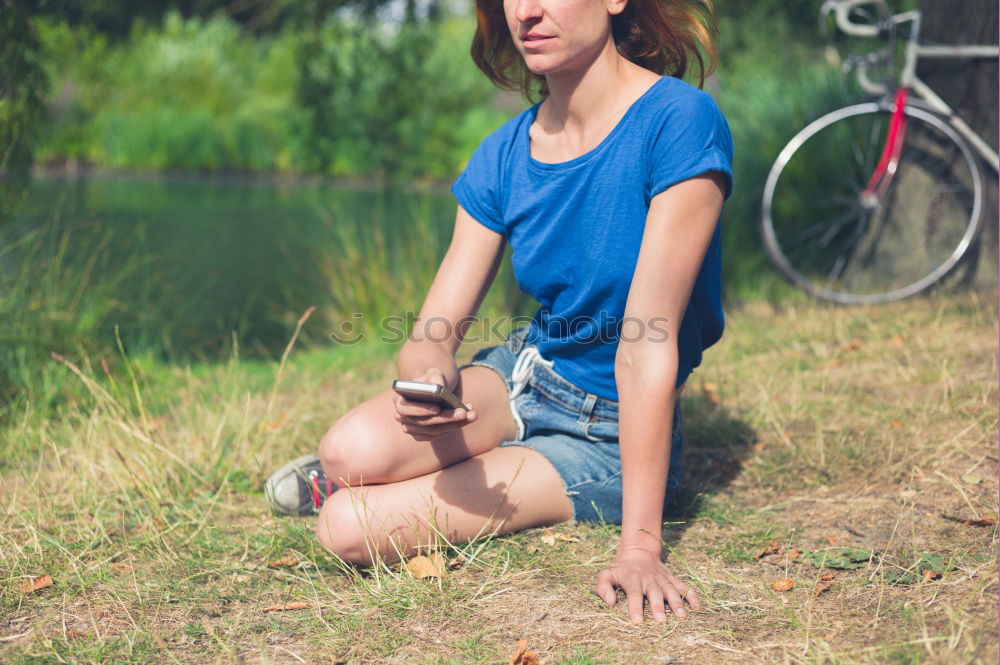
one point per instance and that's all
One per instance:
(601, 88)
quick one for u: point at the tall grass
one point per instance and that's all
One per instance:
(153, 281)
(77, 291)
(381, 268)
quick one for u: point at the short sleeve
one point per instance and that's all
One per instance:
(477, 189)
(692, 137)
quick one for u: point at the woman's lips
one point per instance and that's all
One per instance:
(532, 41)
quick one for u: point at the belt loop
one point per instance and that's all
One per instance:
(588, 408)
(515, 341)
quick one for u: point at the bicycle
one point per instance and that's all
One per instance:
(879, 200)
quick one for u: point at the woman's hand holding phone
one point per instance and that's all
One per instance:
(426, 421)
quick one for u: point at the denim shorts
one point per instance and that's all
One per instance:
(575, 430)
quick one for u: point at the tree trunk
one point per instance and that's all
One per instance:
(969, 86)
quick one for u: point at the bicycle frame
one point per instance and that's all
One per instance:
(908, 78)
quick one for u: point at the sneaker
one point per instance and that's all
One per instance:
(298, 488)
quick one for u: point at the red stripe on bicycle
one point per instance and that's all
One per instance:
(893, 147)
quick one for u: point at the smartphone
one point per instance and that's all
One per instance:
(428, 392)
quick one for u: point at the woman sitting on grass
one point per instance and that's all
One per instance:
(609, 191)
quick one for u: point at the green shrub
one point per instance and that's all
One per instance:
(190, 95)
(405, 103)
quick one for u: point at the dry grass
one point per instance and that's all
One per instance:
(870, 427)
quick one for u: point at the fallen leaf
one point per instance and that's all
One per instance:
(289, 561)
(823, 587)
(35, 583)
(710, 390)
(121, 567)
(897, 424)
(897, 340)
(772, 548)
(74, 634)
(933, 562)
(277, 424)
(522, 656)
(159, 640)
(531, 549)
(793, 553)
(283, 607)
(548, 537)
(900, 576)
(567, 538)
(843, 558)
(832, 541)
(929, 565)
(826, 577)
(759, 446)
(986, 519)
(456, 562)
(971, 480)
(784, 584)
(422, 566)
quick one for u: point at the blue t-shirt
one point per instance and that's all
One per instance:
(575, 227)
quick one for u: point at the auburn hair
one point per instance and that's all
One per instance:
(663, 36)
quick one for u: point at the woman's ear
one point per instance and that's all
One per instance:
(616, 7)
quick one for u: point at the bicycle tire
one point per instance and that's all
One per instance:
(937, 189)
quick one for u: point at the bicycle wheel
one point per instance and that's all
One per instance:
(828, 239)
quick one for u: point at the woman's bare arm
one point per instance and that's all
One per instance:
(679, 228)
(462, 280)
(458, 289)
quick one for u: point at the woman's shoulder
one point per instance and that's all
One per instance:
(676, 97)
(684, 114)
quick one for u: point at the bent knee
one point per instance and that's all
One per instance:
(339, 531)
(355, 451)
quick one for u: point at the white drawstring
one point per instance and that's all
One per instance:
(520, 376)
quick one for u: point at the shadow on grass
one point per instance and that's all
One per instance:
(716, 446)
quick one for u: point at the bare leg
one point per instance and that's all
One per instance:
(398, 491)
(499, 491)
(367, 445)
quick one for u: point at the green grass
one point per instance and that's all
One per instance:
(141, 496)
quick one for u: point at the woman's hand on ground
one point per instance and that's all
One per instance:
(641, 574)
(426, 421)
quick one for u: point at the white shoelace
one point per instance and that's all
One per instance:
(520, 376)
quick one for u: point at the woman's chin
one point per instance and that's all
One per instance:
(541, 66)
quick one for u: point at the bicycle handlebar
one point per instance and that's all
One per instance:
(842, 10)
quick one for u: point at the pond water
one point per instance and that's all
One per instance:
(196, 258)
